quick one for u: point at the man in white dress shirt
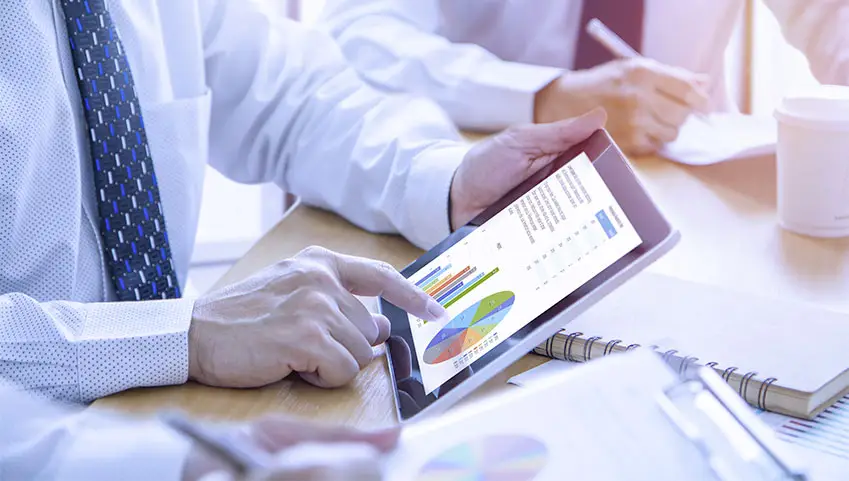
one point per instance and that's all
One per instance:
(109, 113)
(494, 63)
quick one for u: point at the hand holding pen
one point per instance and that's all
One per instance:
(276, 448)
(647, 101)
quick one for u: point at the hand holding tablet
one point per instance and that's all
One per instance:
(520, 271)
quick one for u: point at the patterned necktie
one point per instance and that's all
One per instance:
(131, 219)
(624, 17)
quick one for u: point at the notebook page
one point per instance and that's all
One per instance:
(600, 422)
(801, 345)
(719, 137)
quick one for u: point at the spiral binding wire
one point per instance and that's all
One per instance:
(687, 362)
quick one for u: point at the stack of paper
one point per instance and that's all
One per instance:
(721, 137)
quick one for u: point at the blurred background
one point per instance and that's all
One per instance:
(234, 216)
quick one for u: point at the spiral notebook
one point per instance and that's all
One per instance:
(780, 356)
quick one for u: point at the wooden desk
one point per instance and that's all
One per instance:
(726, 215)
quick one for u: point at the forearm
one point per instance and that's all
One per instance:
(818, 29)
(394, 46)
(80, 352)
(306, 121)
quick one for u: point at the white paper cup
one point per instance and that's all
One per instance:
(813, 162)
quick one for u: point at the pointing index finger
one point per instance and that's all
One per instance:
(365, 277)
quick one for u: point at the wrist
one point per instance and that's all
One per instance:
(459, 213)
(566, 96)
(542, 100)
(195, 369)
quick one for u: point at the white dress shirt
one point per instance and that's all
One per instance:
(484, 60)
(223, 82)
(40, 441)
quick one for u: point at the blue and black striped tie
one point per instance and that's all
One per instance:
(132, 223)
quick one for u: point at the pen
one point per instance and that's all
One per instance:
(608, 38)
(618, 47)
(238, 454)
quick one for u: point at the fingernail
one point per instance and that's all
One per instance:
(435, 309)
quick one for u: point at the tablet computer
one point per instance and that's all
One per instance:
(520, 271)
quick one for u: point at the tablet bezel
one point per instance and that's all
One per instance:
(657, 236)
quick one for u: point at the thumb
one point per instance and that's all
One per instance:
(560, 136)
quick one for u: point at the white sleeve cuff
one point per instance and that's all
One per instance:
(133, 344)
(111, 448)
(501, 94)
(427, 190)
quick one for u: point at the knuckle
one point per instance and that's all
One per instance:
(313, 251)
(386, 268)
(306, 274)
(308, 303)
(299, 271)
(323, 279)
(384, 271)
(295, 267)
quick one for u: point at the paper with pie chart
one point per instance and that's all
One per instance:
(511, 269)
(498, 457)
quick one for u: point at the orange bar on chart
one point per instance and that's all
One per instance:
(444, 283)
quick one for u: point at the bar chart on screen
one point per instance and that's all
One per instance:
(449, 286)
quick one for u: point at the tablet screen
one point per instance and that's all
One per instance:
(514, 267)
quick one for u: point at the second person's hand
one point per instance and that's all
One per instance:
(299, 315)
(297, 451)
(647, 101)
(496, 165)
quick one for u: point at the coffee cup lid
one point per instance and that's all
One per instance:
(822, 107)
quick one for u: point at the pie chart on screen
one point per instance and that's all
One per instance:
(492, 458)
(469, 327)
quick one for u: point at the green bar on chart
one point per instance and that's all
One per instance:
(471, 288)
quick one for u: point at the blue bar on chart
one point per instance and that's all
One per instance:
(605, 223)
(428, 276)
(433, 278)
(459, 290)
(448, 293)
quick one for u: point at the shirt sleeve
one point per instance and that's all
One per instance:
(50, 442)
(287, 108)
(81, 352)
(818, 28)
(394, 45)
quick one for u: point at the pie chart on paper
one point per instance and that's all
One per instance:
(491, 458)
(469, 327)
